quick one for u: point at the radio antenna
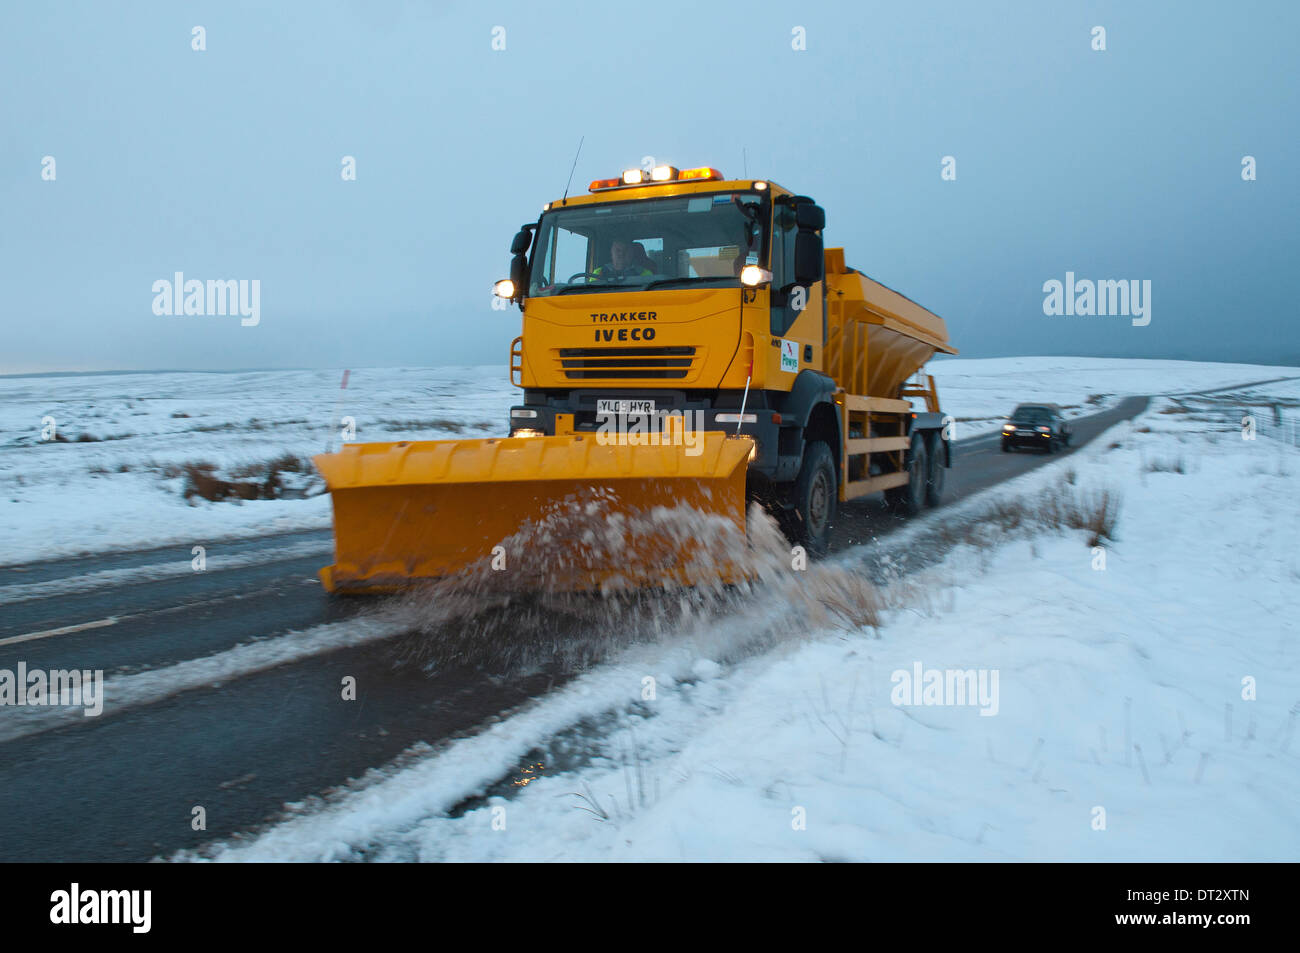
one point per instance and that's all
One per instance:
(574, 169)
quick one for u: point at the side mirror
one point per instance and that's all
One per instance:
(809, 258)
(512, 288)
(519, 273)
(810, 217)
(523, 238)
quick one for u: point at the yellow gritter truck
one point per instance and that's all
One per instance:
(687, 341)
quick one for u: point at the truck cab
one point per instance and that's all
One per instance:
(683, 293)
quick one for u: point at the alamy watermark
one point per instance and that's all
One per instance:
(627, 426)
(78, 905)
(946, 687)
(213, 297)
(1083, 296)
(54, 687)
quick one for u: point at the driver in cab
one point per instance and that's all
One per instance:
(624, 262)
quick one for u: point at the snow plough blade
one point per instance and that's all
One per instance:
(564, 512)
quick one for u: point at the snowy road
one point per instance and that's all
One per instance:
(224, 685)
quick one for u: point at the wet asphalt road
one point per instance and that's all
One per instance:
(977, 464)
(123, 786)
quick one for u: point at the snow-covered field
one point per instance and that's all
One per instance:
(118, 480)
(1142, 696)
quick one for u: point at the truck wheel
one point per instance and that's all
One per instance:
(1006, 446)
(815, 494)
(935, 470)
(907, 499)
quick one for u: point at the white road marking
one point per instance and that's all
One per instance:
(122, 693)
(151, 572)
(113, 620)
(65, 630)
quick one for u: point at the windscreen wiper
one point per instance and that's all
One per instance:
(706, 279)
(565, 290)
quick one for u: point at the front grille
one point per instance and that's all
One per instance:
(622, 363)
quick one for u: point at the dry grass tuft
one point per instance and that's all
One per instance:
(201, 481)
(1060, 507)
(1166, 466)
(843, 599)
(436, 423)
(250, 481)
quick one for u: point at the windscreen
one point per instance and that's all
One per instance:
(668, 242)
(1032, 415)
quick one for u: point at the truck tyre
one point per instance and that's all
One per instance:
(907, 499)
(816, 491)
(935, 470)
(1006, 446)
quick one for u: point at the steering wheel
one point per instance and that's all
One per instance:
(581, 274)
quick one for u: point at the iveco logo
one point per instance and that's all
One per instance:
(625, 334)
(623, 316)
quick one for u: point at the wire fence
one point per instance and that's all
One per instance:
(1284, 428)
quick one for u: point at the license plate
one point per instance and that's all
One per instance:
(624, 408)
(1024, 433)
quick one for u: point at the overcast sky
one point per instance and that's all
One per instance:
(225, 164)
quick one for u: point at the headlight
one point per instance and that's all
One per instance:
(505, 288)
(753, 276)
(526, 432)
(1008, 427)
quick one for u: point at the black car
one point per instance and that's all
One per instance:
(1035, 425)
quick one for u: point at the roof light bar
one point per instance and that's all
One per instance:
(658, 175)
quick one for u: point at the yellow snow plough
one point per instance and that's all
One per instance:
(688, 346)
